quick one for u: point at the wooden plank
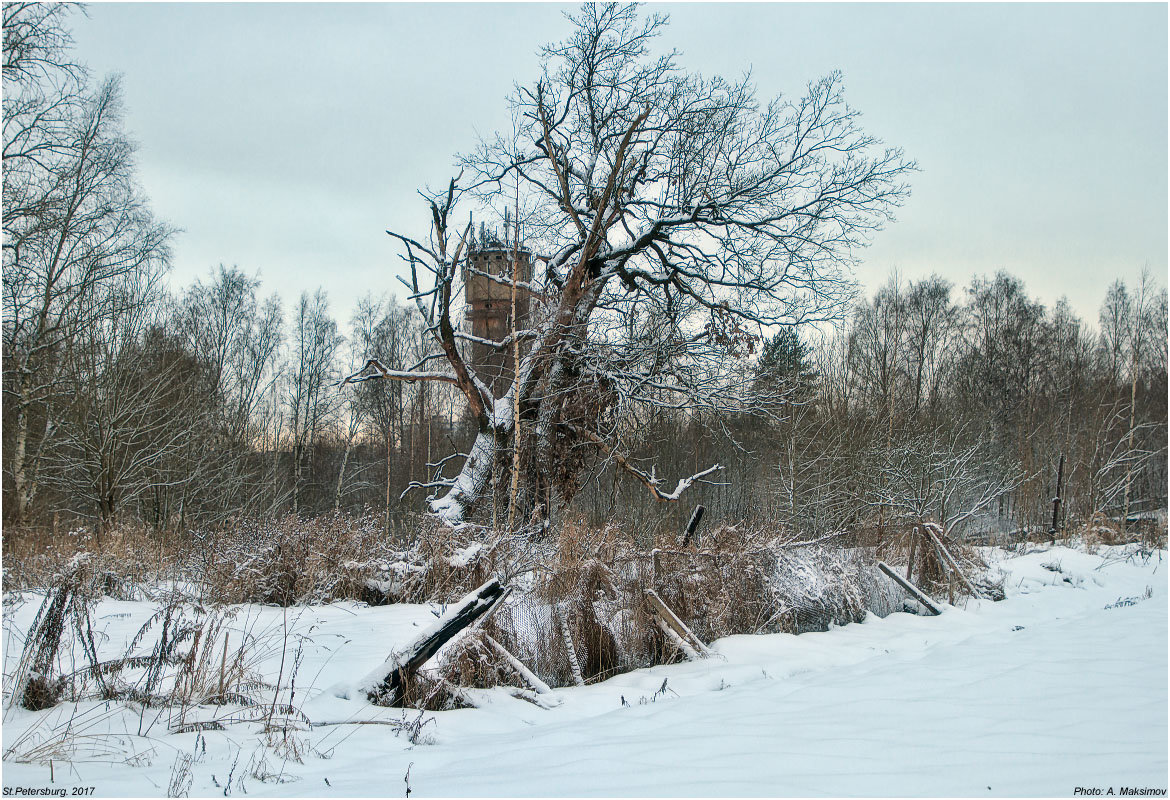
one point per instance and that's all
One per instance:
(670, 618)
(528, 675)
(385, 683)
(949, 559)
(914, 591)
(677, 640)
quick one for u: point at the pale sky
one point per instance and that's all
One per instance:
(286, 138)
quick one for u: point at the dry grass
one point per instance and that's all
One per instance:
(281, 561)
(121, 561)
(580, 595)
(1099, 529)
(289, 560)
(739, 582)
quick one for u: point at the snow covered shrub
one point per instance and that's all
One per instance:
(822, 585)
(452, 562)
(290, 560)
(1098, 529)
(583, 616)
(586, 615)
(468, 662)
(426, 690)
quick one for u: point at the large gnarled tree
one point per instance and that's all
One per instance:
(675, 219)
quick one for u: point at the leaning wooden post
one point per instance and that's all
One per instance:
(947, 558)
(678, 642)
(913, 545)
(914, 591)
(669, 621)
(518, 667)
(385, 683)
(690, 534)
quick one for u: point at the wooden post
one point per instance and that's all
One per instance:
(669, 618)
(913, 590)
(385, 683)
(1056, 500)
(692, 526)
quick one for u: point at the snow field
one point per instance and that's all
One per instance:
(1059, 686)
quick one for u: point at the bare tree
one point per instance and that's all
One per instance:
(316, 343)
(138, 399)
(946, 476)
(652, 190)
(381, 330)
(228, 328)
(931, 322)
(75, 223)
(1140, 326)
(43, 89)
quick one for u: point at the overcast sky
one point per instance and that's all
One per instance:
(285, 138)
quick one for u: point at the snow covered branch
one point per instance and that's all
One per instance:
(648, 479)
(373, 370)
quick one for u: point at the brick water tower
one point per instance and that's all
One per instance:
(489, 305)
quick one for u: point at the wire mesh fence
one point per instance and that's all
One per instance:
(596, 613)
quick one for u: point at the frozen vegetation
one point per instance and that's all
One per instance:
(1061, 685)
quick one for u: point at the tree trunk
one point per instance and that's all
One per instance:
(341, 474)
(1129, 444)
(474, 477)
(19, 475)
(389, 440)
(296, 492)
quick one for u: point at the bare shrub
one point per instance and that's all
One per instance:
(185, 656)
(289, 560)
(1098, 529)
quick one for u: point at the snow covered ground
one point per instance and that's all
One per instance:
(1062, 685)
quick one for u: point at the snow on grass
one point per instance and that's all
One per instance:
(1061, 685)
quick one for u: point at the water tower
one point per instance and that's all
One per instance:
(489, 304)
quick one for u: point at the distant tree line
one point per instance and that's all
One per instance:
(186, 409)
(930, 402)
